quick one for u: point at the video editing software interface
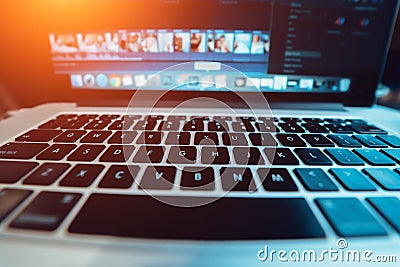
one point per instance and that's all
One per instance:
(280, 46)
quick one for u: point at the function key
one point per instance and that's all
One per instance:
(97, 124)
(222, 118)
(52, 124)
(217, 126)
(145, 125)
(268, 119)
(131, 117)
(237, 179)
(291, 120)
(200, 118)
(245, 118)
(13, 171)
(82, 175)
(46, 212)
(194, 125)
(38, 136)
(276, 179)
(121, 124)
(349, 217)
(334, 120)
(10, 199)
(391, 140)
(88, 116)
(21, 150)
(74, 124)
(197, 179)
(176, 118)
(169, 126)
(66, 116)
(315, 180)
(367, 129)
(154, 117)
(315, 128)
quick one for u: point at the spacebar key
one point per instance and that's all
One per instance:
(139, 217)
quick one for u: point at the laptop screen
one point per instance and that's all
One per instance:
(276, 45)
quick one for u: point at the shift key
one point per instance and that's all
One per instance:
(46, 212)
(21, 150)
(10, 199)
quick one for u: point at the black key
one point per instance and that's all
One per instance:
(387, 179)
(82, 175)
(248, 156)
(66, 117)
(182, 155)
(122, 137)
(148, 137)
(290, 120)
(242, 127)
(56, 152)
(292, 140)
(291, 127)
(21, 150)
(349, 217)
(315, 180)
(222, 118)
(119, 176)
(12, 171)
(393, 154)
(97, 125)
(147, 125)
(47, 174)
(344, 140)
(312, 156)
(268, 119)
(281, 156)
(149, 154)
(10, 199)
(131, 117)
(121, 125)
(266, 127)
(38, 136)
(154, 117)
(52, 124)
(245, 118)
(369, 140)
(169, 126)
(217, 126)
(74, 124)
(197, 179)
(206, 138)
(215, 155)
(237, 179)
(96, 137)
(334, 120)
(367, 129)
(356, 121)
(313, 120)
(70, 136)
(262, 139)
(344, 156)
(88, 116)
(135, 217)
(109, 117)
(234, 139)
(389, 208)
(46, 212)
(86, 153)
(178, 138)
(391, 140)
(340, 129)
(374, 157)
(276, 180)
(158, 178)
(352, 180)
(194, 125)
(176, 118)
(317, 140)
(315, 128)
(200, 118)
(117, 154)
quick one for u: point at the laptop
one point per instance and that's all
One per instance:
(205, 133)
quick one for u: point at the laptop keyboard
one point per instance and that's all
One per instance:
(297, 165)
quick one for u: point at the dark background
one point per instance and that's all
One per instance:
(26, 73)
